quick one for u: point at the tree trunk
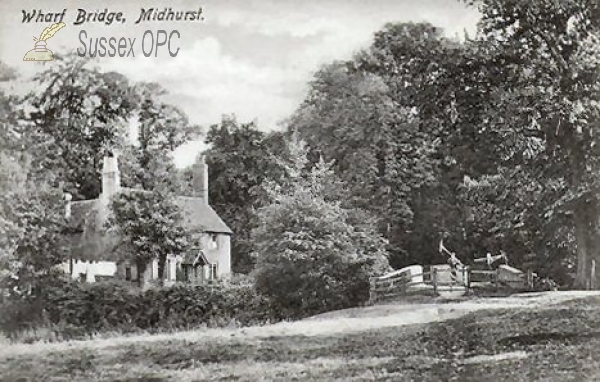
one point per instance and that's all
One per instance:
(162, 260)
(586, 236)
(592, 246)
(581, 240)
(585, 219)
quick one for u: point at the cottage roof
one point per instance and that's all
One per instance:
(90, 240)
(197, 215)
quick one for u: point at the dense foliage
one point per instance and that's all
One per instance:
(148, 226)
(75, 310)
(240, 159)
(313, 255)
(32, 226)
(490, 142)
(147, 160)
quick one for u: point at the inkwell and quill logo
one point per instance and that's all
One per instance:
(40, 52)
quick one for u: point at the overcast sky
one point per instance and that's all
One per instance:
(253, 58)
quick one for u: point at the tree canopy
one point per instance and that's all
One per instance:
(312, 256)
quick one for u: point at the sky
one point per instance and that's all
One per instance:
(251, 58)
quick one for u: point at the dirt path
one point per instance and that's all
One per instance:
(344, 321)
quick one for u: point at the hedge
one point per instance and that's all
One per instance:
(76, 309)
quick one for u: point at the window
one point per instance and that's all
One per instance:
(168, 270)
(213, 243)
(128, 273)
(212, 275)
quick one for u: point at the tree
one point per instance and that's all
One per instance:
(549, 100)
(311, 257)
(149, 227)
(239, 160)
(32, 228)
(31, 223)
(31, 211)
(79, 113)
(373, 115)
(161, 128)
(9, 132)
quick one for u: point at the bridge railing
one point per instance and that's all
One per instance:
(402, 283)
(394, 284)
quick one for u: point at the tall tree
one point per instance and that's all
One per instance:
(239, 160)
(311, 257)
(31, 211)
(10, 135)
(549, 49)
(78, 114)
(160, 128)
(373, 115)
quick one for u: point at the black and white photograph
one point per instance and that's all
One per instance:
(318, 190)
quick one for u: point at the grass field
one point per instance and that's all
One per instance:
(544, 337)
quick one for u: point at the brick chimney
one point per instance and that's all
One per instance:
(111, 179)
(200, 180)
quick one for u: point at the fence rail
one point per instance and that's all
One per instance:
(403, 283)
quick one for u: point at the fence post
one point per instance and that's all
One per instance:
(530, 279)
(434, 279)
(372, 292)
(593, 275)
(496, 277)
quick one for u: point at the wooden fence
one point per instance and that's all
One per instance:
(393, 285)
(436, 280)
(493, 278)
(430, 282)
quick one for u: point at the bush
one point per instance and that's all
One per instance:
(74, 309)
(315, 253)
(303, 290)
(20, 315)
(22, 305)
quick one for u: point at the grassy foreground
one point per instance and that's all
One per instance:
(554, 342)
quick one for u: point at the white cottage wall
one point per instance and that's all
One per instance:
(90, 269)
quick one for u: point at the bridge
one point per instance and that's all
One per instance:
(446, 281)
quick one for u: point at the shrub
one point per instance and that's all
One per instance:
(74, 309)
(315, 253)
(23, 309)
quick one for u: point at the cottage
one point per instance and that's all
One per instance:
(93, 248)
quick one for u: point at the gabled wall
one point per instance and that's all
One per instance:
(219, 254)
